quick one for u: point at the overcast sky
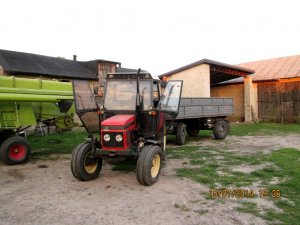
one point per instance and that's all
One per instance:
(157, 35)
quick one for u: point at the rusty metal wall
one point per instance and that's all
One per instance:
(279, 102)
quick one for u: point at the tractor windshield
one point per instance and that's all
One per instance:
(121, 94)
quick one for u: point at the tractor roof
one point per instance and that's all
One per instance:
(129, 75)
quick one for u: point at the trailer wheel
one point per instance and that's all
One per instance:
(221, 129)
(180, 134)
(15, 150)
(149, 165)
(84, 166)
(192, 131)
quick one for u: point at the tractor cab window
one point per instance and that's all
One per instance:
(121, 95)
(145, 92)
(170, 99)
(155, 94)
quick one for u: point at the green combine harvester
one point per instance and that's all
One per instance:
(26, 102)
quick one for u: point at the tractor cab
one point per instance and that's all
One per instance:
(130, 123)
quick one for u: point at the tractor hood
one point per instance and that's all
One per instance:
(120, 121)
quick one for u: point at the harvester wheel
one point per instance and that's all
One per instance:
(220, 129)
(149, 165)
(84, 165)
(192, 131)
(15, 150)
(180, 134)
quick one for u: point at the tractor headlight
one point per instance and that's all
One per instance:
(119, 138)
(106, 137)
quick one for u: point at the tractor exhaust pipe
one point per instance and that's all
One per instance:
(138, 100)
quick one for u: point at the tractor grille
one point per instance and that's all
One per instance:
(112, 142)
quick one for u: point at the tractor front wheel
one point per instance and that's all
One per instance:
(15, 150)
(84, 165)
(149, 165)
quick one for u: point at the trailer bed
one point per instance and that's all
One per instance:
(204, 107)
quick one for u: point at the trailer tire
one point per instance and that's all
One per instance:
(149, 165)
(180, 134)
(220, 129)
(192, 131)
(85, 167)
(15, 150)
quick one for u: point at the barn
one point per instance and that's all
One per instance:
(275, 88)
(266, 90)
(202, 77)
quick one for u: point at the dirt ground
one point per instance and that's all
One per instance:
(45, 192)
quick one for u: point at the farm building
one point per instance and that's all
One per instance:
(21, 64)
(27, 65)
(270, 93)
(201, 77)
(276, 88)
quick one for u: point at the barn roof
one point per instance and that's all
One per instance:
(272, 69)
(219, 72)
(276, 68)
(15, 63)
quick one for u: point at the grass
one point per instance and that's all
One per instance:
(213, 167)
(249, 207)
(242, 129)
(216, 172)
(263, 129)
(57, 143)
(288, 161)
(182, 207)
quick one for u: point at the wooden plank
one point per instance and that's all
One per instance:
(279, 102)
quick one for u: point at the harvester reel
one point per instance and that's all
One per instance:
(68, 121)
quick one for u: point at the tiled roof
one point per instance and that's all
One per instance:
(276, 68)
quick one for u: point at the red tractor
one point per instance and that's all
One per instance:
(130, 124)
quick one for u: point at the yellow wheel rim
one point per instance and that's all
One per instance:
(155, 165)
(90, 165)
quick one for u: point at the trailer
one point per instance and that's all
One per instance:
(197, 114)
(26, 102)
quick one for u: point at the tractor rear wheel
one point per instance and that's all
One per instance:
(15, 150)
(192, 131)
(220, 129)
(180, 134)
(84, 165)
(149, 165)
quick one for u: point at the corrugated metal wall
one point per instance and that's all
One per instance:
(279, 102)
